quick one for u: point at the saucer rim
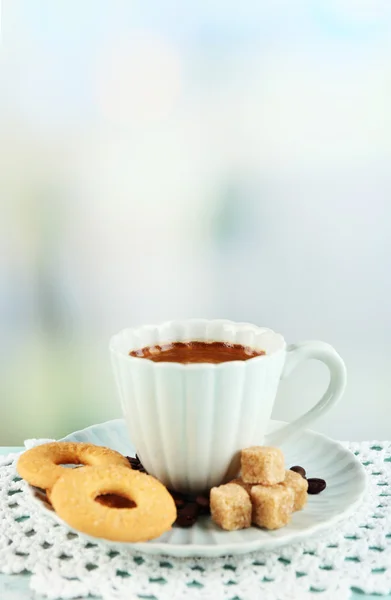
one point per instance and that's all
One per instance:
(220, 548)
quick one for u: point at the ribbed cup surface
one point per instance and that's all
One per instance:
(189, 422)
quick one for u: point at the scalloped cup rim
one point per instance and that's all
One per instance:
(116, 339)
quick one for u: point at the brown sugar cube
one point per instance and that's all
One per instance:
(263, 465)
(245, 486)
(230, 507)
(272, 505)
(299, 485)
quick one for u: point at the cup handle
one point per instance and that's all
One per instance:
(297, 353)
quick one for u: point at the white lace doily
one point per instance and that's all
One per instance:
(356, 556)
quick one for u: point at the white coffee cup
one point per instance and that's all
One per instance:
(189, 422)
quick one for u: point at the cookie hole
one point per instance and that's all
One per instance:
(198, 568)
(71, 536)
(138, 560)
(377, 448)
(267, 580)
(160, 580)
(315, 590)
(13, 492)
(284, 561)
(91, 567)
(376, 548)
(90, 545)
(115, 501)
(112, 553)
(229, 568)
(388, 459)
(46, 545)
(165, 565)
(300, 574)
(70, 465)
(231, 582)
(326, 568)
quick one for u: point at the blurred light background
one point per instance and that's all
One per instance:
(165, 159)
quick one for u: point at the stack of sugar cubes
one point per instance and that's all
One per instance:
(265, 495)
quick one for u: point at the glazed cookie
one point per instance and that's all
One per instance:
(74, 499)
(41, 466)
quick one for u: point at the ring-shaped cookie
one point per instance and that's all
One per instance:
(74, 499)
(41, 466)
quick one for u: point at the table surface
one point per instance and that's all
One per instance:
(16, 587)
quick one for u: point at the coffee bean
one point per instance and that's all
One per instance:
(299, 470)
(315, 485)
(184, 522)
(203, 504)
(179, 502)
(136, 464)
(188, 506)
(202, 501)
(135, 467)
(190, 509)
(187, 516)
(177, 495)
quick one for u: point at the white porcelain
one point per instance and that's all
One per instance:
(321, 456)
(189, 421)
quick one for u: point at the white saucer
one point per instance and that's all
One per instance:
(319, 455)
